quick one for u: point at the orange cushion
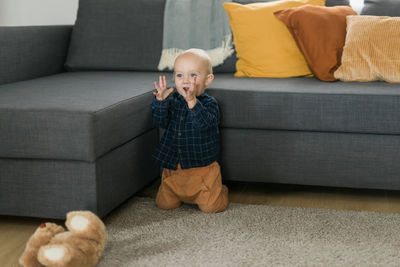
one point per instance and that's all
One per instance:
(264, 45)
(320, 34)
(372, 50)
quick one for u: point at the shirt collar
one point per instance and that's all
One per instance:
(180, 97)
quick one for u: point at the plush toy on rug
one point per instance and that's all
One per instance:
(81, 246)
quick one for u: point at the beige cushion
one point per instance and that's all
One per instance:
(372, 50)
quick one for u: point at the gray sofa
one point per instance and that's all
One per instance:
(76, 131)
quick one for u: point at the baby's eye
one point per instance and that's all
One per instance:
(193, 75)
(179, 75)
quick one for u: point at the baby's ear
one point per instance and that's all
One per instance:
(210, 78)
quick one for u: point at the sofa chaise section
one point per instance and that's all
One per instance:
(78, 140)
(49, 188)
(73, 116)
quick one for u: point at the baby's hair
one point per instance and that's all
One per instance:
(202, 54)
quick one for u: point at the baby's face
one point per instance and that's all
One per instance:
(187, 67)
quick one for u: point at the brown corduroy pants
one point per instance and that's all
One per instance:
(202, 186)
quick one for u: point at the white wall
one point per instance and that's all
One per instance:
(357, 5)
(53, 12)
(37, 12)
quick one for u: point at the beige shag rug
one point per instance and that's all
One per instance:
(140, 234)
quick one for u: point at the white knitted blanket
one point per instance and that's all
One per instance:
(195, 24)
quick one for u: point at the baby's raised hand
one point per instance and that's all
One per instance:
(162, 91)
(190, 95)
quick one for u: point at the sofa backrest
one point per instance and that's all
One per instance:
(126, 35)
(381, 8)
(28, 52)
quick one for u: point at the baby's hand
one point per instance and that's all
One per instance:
(190, 95)
(162, 91)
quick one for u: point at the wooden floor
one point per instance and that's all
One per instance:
(15, 231)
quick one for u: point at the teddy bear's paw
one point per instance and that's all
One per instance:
(86, 224)
(79, 223)
(42, 236)
(54, 255)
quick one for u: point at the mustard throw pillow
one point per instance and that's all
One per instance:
(264, 45)
(371, 50)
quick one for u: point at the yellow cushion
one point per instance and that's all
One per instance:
(264, 45)
(371, 50)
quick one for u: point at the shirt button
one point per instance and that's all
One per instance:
(179, 150)
(193, 111)
(179, 134)
(181, 118)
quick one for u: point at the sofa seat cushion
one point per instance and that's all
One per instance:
(307, 104)
(74, 116)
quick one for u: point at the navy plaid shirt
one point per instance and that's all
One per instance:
(192, 135)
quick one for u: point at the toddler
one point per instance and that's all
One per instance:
(189, 148)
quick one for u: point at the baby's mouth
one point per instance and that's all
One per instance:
(186, 89)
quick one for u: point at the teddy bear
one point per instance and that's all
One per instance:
(51, 245)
